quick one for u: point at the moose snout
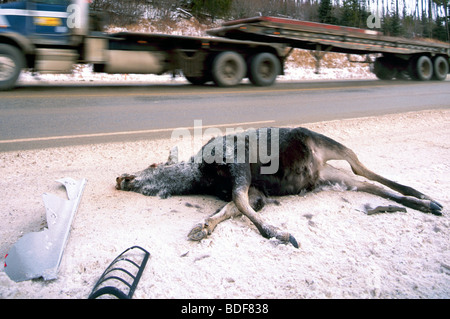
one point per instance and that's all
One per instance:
(118, 181)
(123, 181)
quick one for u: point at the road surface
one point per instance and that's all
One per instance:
(34, 117)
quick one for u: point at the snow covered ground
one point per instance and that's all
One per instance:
(84, 74)
(344, 253)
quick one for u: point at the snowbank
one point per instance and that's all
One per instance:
(84, 74)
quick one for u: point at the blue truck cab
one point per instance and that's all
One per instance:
(43, 35)
(43, 22)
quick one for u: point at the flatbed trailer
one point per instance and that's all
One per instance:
(418, 59)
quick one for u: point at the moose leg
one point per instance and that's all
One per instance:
(241, 180)
(257, 201)
(326, 149)
(206, 227)
(245, 201)
(333, 175)
(240, 198)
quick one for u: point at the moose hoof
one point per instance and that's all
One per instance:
(293, 241)
(273, 232)
(199, 232)
(436, 208)
(288, 238)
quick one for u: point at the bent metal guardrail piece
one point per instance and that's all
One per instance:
(39, 254)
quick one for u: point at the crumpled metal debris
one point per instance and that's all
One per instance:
(39, 254)
(116, 279)
(383, 209)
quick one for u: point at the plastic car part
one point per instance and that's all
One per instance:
(132, 263)
(39, 254)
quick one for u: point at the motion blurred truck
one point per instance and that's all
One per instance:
(51, 36)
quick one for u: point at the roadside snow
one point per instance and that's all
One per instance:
(344, 253)
(84, 74)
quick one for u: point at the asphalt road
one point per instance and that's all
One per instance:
(47, 116)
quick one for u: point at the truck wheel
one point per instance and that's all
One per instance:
(422, 68)
(264, 69)
(228, 69)
(384, 69)
(440, 65)
(11, 63)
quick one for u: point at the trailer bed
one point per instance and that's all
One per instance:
(324, 37)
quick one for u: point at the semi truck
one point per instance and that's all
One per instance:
(51, 36)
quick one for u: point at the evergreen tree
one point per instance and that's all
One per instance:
(427, 31)
(364, 14)
(215, 8)
(348, 13)
(445, 4)
(326, 12)
(354, 14)
(439, 29)
(392, 25)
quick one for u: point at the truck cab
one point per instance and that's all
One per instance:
(44, 35)
(43, 22)
(46, 22)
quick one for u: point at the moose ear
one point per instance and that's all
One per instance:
(173, 156)
(129, 178)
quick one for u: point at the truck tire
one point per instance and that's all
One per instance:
(422, 68)
(384, 69)
(11, 63)
(228, 69)
(264, 69)
(440, 68)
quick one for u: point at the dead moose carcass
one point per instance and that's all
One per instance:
(247, 167)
